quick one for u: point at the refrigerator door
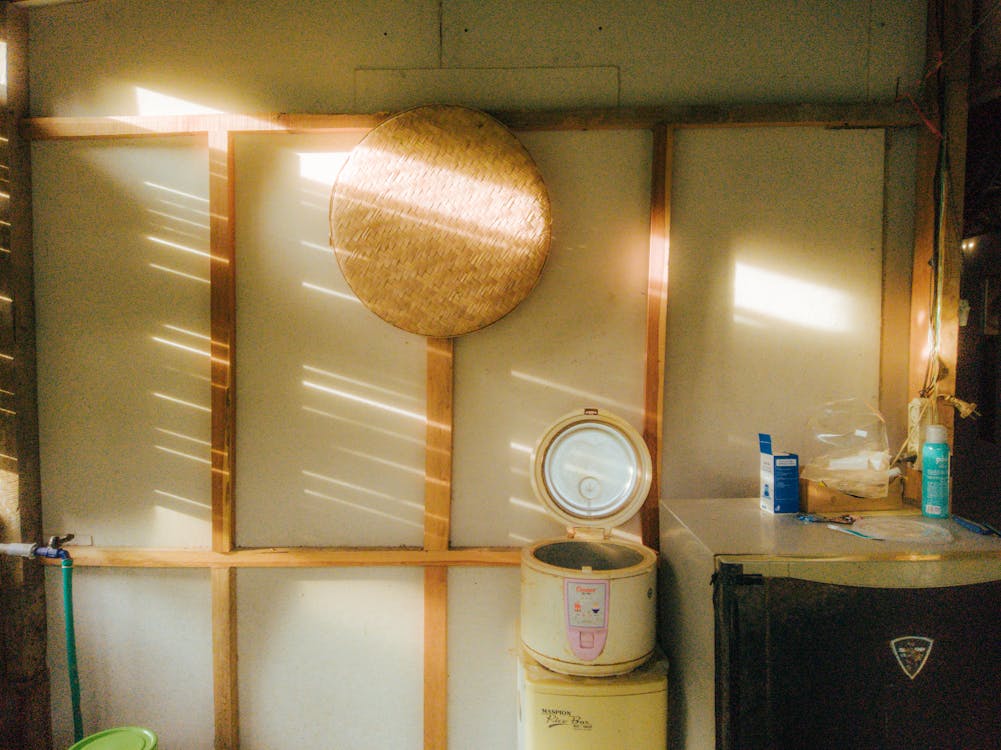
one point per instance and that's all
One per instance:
(802, 663)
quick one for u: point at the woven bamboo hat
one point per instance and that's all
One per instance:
(440, 221)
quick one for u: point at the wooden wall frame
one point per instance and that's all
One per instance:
(938, 238)
(436, 555)
(24, 686)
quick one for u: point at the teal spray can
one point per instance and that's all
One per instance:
(935, 473)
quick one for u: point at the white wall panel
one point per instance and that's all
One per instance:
(331, 658)
(698, 52)
(895, 59)
(121, 57)
(487, 88)
(577, 341)
(330, 417)
(774, 296)
(250, 57)
(482, 657)
(122, 298)
(144, 654)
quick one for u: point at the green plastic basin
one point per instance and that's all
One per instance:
(120, 738)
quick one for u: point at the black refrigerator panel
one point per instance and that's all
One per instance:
(802, 664)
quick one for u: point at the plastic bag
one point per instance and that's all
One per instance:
(850, 452)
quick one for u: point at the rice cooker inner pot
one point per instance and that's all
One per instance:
(581, 555)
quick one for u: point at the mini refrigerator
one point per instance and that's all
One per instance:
(784, 635)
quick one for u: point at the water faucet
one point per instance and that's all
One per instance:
(51, 550)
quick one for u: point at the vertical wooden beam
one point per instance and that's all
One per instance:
(224, 659)
(223, 335)
(438, 459)
(957, 21)
(222, 240)
(436, 658)
(938, 224)
(897, 250)
(20, 493)
(656, 315)
(921, 273)
(25, 719)
(437, 525)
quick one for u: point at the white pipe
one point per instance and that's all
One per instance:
(18, 549)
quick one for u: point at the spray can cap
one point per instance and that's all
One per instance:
(935, 433)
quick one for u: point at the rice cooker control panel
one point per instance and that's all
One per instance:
(586, 603)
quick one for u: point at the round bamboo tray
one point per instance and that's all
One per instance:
(440, 221)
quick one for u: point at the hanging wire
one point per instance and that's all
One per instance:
(942, 60)
(955, 214)
(944, 207)
(940, 199)
(987, 15)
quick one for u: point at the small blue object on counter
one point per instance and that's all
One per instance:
(976, 528)
(779, 478)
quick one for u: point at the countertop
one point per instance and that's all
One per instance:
(739, 526)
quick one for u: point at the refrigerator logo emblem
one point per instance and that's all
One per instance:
(912, 652)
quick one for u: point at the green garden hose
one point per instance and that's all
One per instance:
(67, 567)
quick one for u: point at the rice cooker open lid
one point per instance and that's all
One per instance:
(592, 469)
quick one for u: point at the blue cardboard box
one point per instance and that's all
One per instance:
(779, 478)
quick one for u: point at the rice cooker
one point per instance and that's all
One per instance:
(588, 602)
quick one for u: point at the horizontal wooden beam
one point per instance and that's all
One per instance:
(291, 557)
(850, 115)
(334, 557)
(153, 126)
(41, 3)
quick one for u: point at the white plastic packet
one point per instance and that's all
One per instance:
(849, 452)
